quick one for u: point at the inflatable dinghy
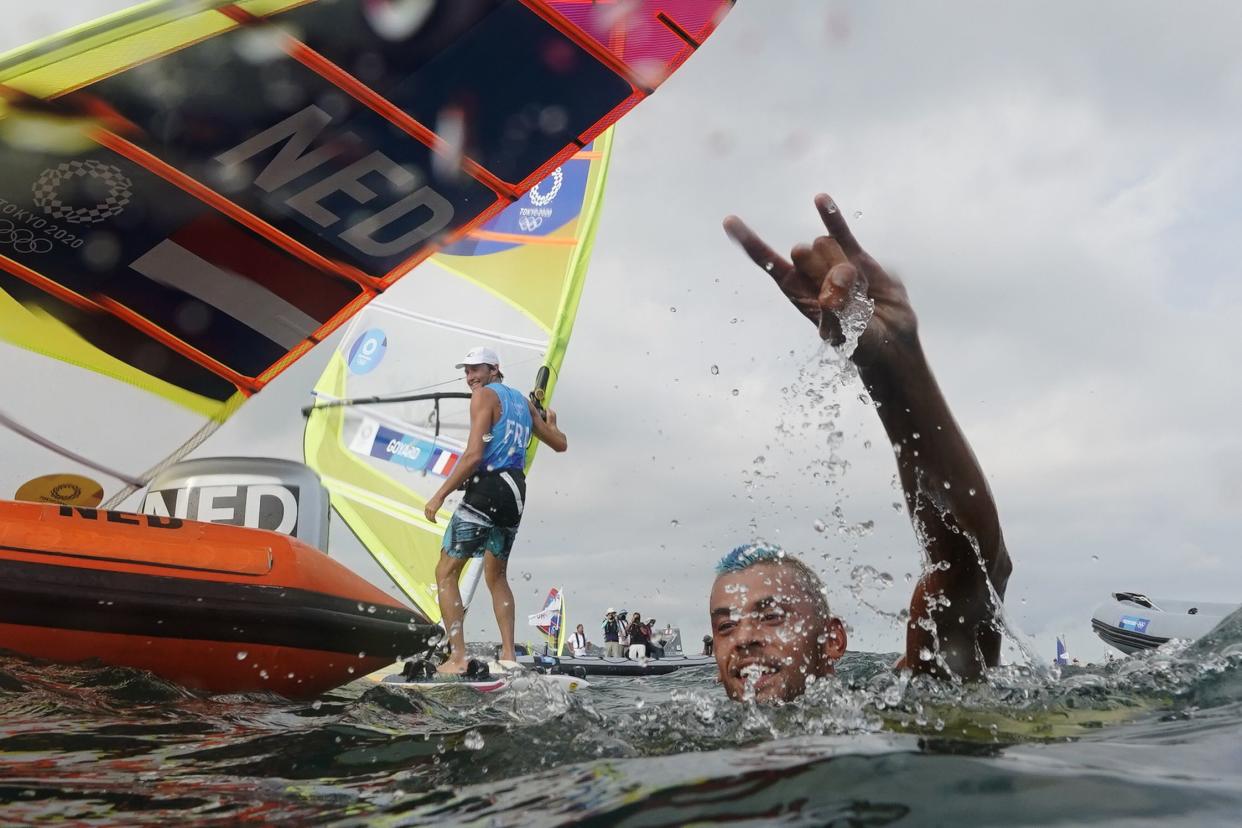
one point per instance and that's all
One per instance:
(1132, 622)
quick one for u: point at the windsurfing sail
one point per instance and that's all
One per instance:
(513, 285)
(193, 193)
(1062, 655)
(551, 621)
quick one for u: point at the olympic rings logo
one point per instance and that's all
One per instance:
(21, 239)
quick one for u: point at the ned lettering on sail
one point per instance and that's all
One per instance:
(772, 630)
(295, 158)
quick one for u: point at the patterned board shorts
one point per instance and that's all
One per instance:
(476, 537)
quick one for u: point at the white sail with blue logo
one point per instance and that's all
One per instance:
(391, 412)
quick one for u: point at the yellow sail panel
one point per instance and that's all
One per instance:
(564, 626)
(82, 63)
(382, 462)
(385, 515)
(523, 254)
(33, 329)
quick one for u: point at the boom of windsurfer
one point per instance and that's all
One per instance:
(501, 422)
(771, 626)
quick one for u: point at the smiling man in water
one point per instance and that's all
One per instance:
(772, 630)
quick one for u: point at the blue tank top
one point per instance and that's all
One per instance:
(507, 447)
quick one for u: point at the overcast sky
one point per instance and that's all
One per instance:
(1058, 183)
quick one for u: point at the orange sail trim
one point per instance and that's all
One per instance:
(518, 238)
(244, 384)
(329, 71)
(239, 214)
(596, 49)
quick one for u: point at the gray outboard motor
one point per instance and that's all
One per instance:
(259, 492)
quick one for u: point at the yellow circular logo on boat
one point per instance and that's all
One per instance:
(65, 489)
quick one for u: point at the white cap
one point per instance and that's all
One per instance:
(610, 609)
(479, 355)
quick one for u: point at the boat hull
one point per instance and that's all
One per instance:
(215, 608)
(1133, 623)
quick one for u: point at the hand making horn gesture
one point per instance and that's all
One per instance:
(820, 279)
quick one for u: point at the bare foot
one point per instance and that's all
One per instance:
(452, 667)
(507, 655)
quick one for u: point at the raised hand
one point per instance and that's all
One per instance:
(820, 279)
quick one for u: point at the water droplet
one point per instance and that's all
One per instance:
(672, 310)
(819, 525)
(866, 444)
(241, 655)
(526, 576)
(925, 654)
(371, 609)
(315, 705)
(948, 485)
(735, 392)
(970, 492)
(715, 369)
(733, 321)
(858, 214)
(916, 435)
(263, 674)
(473, 740)
(896, 506)
(1095, 557)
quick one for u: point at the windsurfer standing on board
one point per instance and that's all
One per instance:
(772, 630)
(501, 422)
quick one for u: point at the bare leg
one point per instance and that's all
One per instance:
(495, 572)
(448, 570)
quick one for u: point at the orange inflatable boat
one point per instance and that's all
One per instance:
(212, 607)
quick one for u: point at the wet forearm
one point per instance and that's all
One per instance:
(935, 462)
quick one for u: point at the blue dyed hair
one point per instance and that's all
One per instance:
(747, 555)
(743, 557)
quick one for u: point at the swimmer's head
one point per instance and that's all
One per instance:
(771, 626)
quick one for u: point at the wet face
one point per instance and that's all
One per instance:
(770, 632)
(478, 376)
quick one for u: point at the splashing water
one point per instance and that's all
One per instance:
(1151, 737)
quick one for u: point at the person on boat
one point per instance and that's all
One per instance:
(655, 642)
(639, 638)
(612, 634)
(486, 522)
(707, 645)
(578, 644)
(772, 630)
(623, 618)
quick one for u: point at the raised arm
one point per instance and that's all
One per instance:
(953, 614)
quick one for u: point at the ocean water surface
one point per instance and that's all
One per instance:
(1153, 739)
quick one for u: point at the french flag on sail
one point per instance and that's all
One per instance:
(443, 461)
